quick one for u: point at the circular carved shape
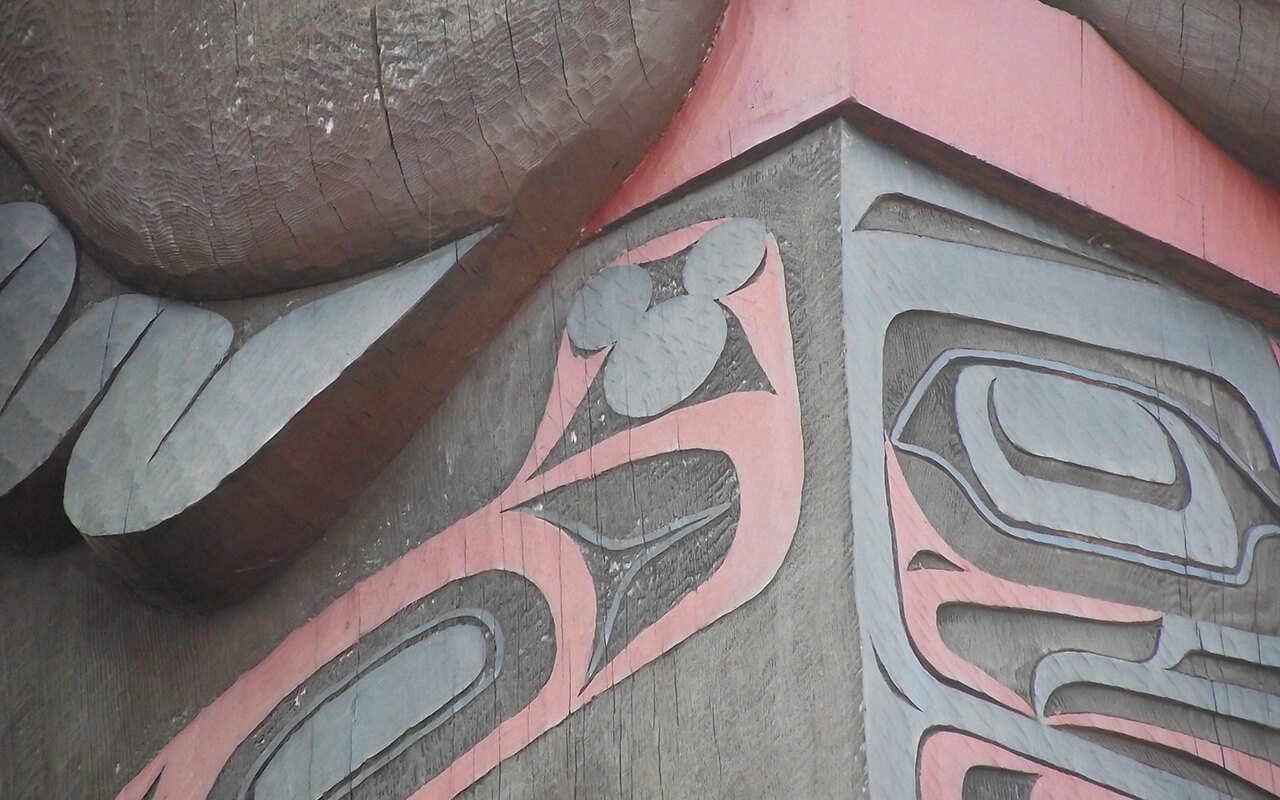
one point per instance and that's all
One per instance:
(611, 304)
(725, 258)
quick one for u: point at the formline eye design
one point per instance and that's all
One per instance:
(617, 539)
(1060, 455)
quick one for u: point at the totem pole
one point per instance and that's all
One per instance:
(420, 399)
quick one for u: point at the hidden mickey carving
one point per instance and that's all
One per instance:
(598, 557)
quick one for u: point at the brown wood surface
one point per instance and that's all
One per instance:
(220, 148)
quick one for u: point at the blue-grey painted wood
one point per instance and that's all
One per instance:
(1051, 416)
(662, 360)
(370, 714)
(260, 389)
(611, 304)
(34, 286)
(113, 457)
(725, 258)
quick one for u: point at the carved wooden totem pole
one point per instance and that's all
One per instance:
(418, 399)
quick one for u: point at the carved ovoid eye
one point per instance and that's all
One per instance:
(396, 708)
(662, 354)
(359, 725)
(1056, 454)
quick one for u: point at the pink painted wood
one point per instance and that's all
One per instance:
(759, 431)
(1258, 771)
(1029, 90)
(925, 591)
(947, 755)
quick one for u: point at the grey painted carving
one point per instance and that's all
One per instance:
(611, 304)
(656, 543)
(662, 355)
(153, 390)
(593, 420)
(1052, 416)
(221, 451)
(667, 356)
(331, 748)
(725, 258)
(1200, 536)
(651, 531)
(1179, 638)
(165, 666)
(23, 228)
(378, 720)
(34, 286)
(1203, 531)
(260, 389)
(64, 384)
(1084, 445)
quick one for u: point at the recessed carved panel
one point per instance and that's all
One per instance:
(1071, 588)
(612, 544)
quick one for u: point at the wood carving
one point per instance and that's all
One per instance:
(196, 467)
(1072, 590)
(623, 533)
(221, 149)
(1216, 61)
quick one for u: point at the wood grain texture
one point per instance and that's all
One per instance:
(1024, 101)
(1040, 634)
(1217, 61)
(95, 683)
(247, 469)
(222, 148)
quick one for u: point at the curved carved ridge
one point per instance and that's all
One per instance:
(1216, 61)
(553, 669)
(196, 473)
(1188, 540)
(216, 432)
(448, 662)
(215, 149)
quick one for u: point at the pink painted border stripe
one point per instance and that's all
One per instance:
(1018, 85)
(769, 457)
(926, 591)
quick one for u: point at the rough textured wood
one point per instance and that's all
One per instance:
(229, 520)
(96, 683)
(1079, 467)
(229, 147)
(1024, 101)
(1217, 61)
